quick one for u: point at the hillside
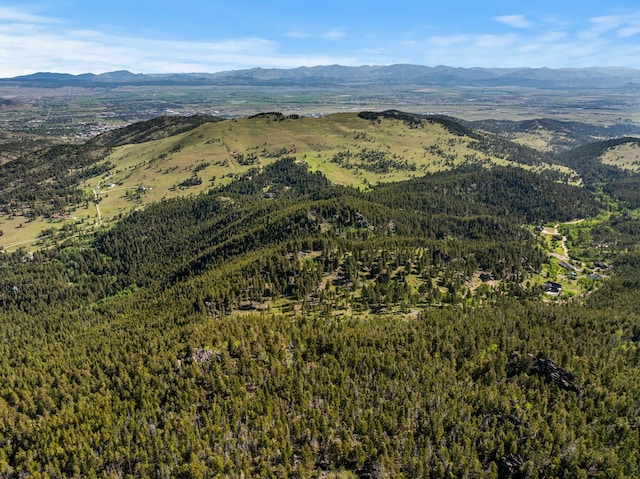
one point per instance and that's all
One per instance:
(48, 193)
(554, 135)
(281, 325)
(357, 295)
(129, 168)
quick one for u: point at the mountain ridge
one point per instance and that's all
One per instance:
(595, 77)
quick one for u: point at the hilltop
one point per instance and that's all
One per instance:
(128, 168)
(71, 188)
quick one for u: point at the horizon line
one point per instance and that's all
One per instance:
(126, 71)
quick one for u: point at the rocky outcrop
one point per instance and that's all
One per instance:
(543, 367)
(509, 467)
(551, 372)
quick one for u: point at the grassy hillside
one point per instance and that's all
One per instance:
(554, 135)
(130, 168)
(625, 156)
(51, 193)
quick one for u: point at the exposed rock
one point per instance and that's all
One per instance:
(545, 368)
(252, 305)
(371, 469)
(509, 467)
(202, 355)
(551, 372)
(515, 420)
(484, 277)
(361, 221)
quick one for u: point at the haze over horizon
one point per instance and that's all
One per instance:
(196, 36)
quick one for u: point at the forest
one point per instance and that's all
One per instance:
(283, 325)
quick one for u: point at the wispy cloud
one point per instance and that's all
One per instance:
(334, 34)
(515, 21)
(30, 42)
(82, 53)
(623, 26)
(554, 49)
(545, 40)
(329, 34)
(8, 14)
(629, 30)
(501, 42)
(630, 26)
(448, 41)
(605, 23)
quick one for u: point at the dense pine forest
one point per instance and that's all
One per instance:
(282, 325)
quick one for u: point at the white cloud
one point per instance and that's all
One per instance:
(334, 34)
(515, 21)
(86, 33)
(554, 49)
(238, 45)
(8, 14)
(552, 37)
(30, 43)
(298, 34)
(629, 30)
(447, 41)
(622, 26)
(375, 51)
(549, 41)
(86, 51)
(495, 41)
(630, 26)
(605, 23)
(330, 34)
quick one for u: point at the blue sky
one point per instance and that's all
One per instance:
(164, 36)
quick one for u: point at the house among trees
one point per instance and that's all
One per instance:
(601, 264)
(552, 288)
(567, 266)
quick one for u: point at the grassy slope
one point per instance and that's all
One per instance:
(623, 156)
(161, 165)
(542, 139)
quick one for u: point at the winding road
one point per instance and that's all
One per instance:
(563, 243)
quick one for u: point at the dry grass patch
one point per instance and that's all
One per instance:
(626, 156)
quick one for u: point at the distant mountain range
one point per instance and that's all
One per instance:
(335, 75)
